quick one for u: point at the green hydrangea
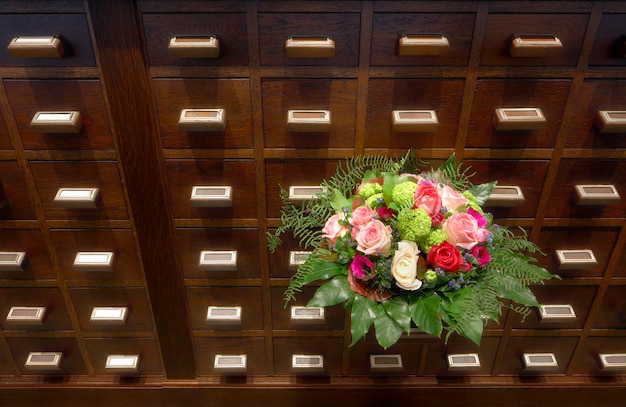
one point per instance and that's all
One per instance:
(430, 276)
(473, 203)
(368, 190)
(375, 201)
(434, 238)
(403, 193)
(413, 224)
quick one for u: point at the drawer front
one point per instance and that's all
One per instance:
(586, 131)
(72, 28)
(183, 175)
(149, 361)
(7, 364)
(83, 96)
(37, 264)
(438, 363)
(589, 363)
(329, 348)
(491, 94)
(337, 96)
(104, 175)
(252, 347)
(600, 241)
(276, 28)
(285, 259)
(612, 314)
(288, 173)
(248, 299)
(568, 28)
(137, 318)
(55, 318)
(229, 28)
(386, 96)
(231, 95)
(563, 201)
(562, 347)
(389, 27)
(125, 267)
(71, 361)
(15, 201)
(244, 242)
(5, 138)
(298, 318)
(368, 359)
(608, 47)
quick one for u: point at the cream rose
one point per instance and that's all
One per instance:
(374, 238)
(462, 230)
(404, 266)
(334, 229)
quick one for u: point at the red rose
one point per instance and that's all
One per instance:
(445, 256)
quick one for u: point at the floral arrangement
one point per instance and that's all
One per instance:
(403, 247)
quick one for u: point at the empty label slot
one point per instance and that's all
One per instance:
(218, 260)
(230, 363)
(417, 121)
(224, 314)
(12, 261)
(309, 47)
(556, 313)
(463, 361)
(94, 261)
(57, 122)
(535, 46)
(308, 120)
(307, 362)
(36, 47)
(206, 46)
(613, 361)
(540, 361)
(519, 119)
(385, 362)
(596, 195)
(576, 259)
(611, 121)
(423, 45)
(77, 198)
(34, 315)
(44, 360)
(304, 192)
(211, 196)
(126, 363)
(108, 315)
(297, 258)
(202, 120)
(505, 196)
(307, 314)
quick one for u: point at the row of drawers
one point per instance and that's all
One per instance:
(322, 356)
(226, 189)
(323, 39)
(116, 310)
(321, 113)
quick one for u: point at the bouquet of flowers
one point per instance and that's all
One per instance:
(403, 247)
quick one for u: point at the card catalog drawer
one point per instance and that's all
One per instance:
(284, 261)
(14, 196)
(230, 356)
(560, 348)
(296, 316)
(56, 317)
(227, 29)
(5, 139)
(72, 30)
(230, 96)
(279, 30)
(602, 355)
(82, 98)
(36, 263)
(613, 309)
(336, 96)
(145, 350)
(608, 47)
(443, 97)
(547, 95)
(461, 357)
(307, 356)
(370, 359)
(421, 39)
(183, 175)
(242, 242)
(234, 308)
(50, 356)
(533, 39)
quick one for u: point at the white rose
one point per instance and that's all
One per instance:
(404, 266)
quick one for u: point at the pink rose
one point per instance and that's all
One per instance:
(427, 198)
(334, 228)
(374, 239)
(450, 198)
(362, 215)
(462, 230)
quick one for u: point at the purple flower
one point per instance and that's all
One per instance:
(362, 268)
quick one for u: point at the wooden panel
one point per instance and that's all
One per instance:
(588, 363)
(57, 318)
(360, 362)
(608, 47)
(612, 314)
(38, 265)
(14, 192)
(437, 356)
(5, 139)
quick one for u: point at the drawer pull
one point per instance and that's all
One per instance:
(539, 361)
(230, 363)
(304, 193)
(108, 315)
(596, 195)
(218, 260)
(611, 121)
(94, 261)
(310, 47)
(468, 361)
(307, 363)
(423, 45)
(308, 121)
(44, 360)
(385, 362)
(535, 46)
(27, 315)
(13, 261)
(297, 258)
(414, 121)
(77, 198)
(122, 363)
(211, 196)
(576, 259)
(57, 122)
(612, 361)
(556, 313)
(227, 315)
(301, 314)
(36, 47)
(194, 46)
(524, 118)
(505, 196)
(192, 120)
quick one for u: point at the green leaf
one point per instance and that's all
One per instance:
(338, 201)
(333, 292)
(323, 270)
(424, 311)
(387, 329)
(461, 314)
(482, 191)
(398, 309)
(362, 316)
(520, 294)
(371, 174)
(449, 166)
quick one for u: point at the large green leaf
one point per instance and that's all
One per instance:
(482, 191)
(362, 316)
(333, 292)
(387, 329)
(322, 270)
(339, 201)
(424, 311)
(517, 292)
(398, 309)
(461, 313)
